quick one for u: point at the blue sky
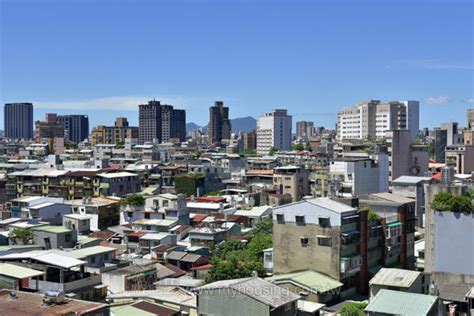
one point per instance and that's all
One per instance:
(104, 57)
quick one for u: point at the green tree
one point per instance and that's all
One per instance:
(353, 309)
(308, 146)
(133, 200)
(188, 183)
(298, 147)
(22, 234)
(273, 151)
(445, 201)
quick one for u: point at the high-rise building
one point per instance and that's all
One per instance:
(470, 119)
(274, 130)
(304, 130)
(76, 127)
(371, 119)
(52, 132)
(161, 123)
(453, 137)
(440, 143)
(249, 140)
(18, 120)
(219, 123)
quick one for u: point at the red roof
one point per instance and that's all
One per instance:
(102, 235)
(212, 199)
(177, 271)
(203, 267)
(198, 217)
(136, 234)
(436, 176)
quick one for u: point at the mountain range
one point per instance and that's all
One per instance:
(240, 124)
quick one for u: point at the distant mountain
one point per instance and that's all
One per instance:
(240, 124)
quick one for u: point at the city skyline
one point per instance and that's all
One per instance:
(310, 65)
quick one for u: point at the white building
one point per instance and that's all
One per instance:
(274, 130)
(373, 118)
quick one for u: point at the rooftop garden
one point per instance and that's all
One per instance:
(447, 202)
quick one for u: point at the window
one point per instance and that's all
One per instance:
(147, 215)
(325, 241)
(280, 219)
(92, 259)
(68, 237)
(324, 222)
(299, 219)
(304, 241)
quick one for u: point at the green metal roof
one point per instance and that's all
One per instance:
(128, 310)
(18, 272)
(53, 229)
(394, 224)
(310, 280)
(87, 240)
(401, 303)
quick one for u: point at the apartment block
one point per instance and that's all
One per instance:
(116, 134)
(18, 120)
(219, 124)
(76, 127)
(274, 130)
(371, 119)
(292, 181)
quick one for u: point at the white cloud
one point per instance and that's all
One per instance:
(470, 100)
(438, 100)
(120, 103)
(435, 64)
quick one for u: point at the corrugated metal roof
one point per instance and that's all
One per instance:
(395, 277)
(18, 272)
(401, 303)
(310, 280)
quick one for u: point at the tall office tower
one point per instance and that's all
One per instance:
(452, 137)
(371, 119)
(18, 120)
(219, 123)
(76, 127)
(470, 119)
(274, 130)
(160, 123)
(304, 129)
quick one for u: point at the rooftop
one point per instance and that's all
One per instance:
(310, 280)
(52, 229)
(18, 272)
(89, 251)
(50, 257)
(401, 303)
(395, 277)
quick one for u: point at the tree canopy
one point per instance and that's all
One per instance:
(353, 309)
(445, 201)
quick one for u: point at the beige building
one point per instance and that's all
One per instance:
(399, 280)
(461, 157)
(292, 181)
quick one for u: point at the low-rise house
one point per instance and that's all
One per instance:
(312, 286)
(457, 297)
(118, 183)
(186, 261)
(143, 308)
(213, 234)
(104, 212)
(54, 237)
(47, 209)
(154, 225)
(388, 302)
(256, 214)
(13, 276)
(61, 273)
(399, 280)
(131, 278)
(96, 256)
(32, 304)
(78, 222)
(247, 296)
(149, 241)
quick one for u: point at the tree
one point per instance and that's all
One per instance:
(263, 227)
(22, 234)
(188, 183)
(353, 309)
(445, 201)
(308, 146)
(298, 147)
(133, 200)
(273, 151)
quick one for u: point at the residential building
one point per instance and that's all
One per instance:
(461, 157)
(18, 120)
(399, 280)
(452, 133)
(440, 142)
(304, 130)
(54, 237)
(325, 236)
(219, 124)
(414, 188)
(103, 212)
(351, 176)
(249, 140)
(116, 134)
(388, 302)
(371, 119)
(274, 130)
(292, 181)
(52, 132)
(131, 278)
(470, 119)
(247, 296)
(47, 209)
(78, 222)
(160, 123)
(213, 234)
(76, 127)
(119, 183)
(405, 158)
